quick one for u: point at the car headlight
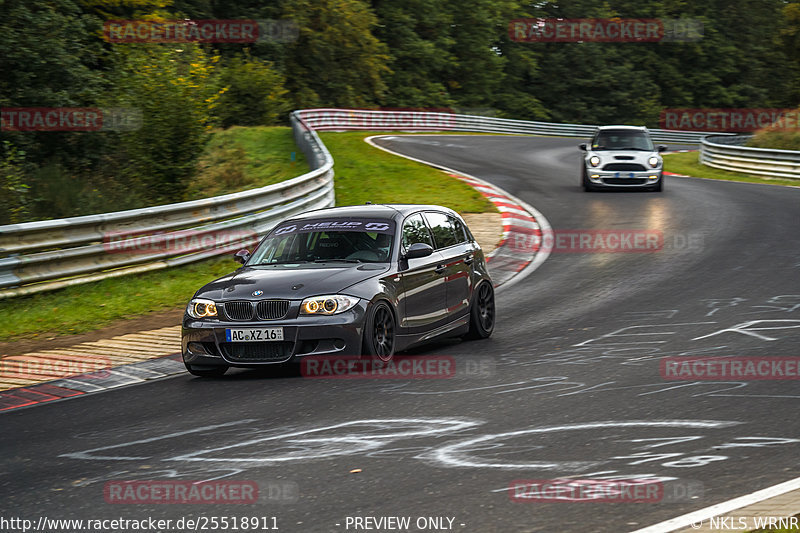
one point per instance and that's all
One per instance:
(653, 161)
(327, 305)
(594, 160)
(202, 308)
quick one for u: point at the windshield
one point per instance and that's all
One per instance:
(327, 240)
(622, 140)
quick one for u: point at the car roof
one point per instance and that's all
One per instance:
(622, 127)
(388, 211)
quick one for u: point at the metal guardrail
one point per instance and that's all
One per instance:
(51, 254)
(362, 119)
(729, 153)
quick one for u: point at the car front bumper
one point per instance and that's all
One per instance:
(624, 178)
(203, 342)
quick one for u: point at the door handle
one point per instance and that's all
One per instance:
(468, 259)
(439, 269)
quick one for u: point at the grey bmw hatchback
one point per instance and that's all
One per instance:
(367, 280)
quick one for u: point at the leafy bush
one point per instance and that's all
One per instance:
(777, 138)
(176, 90)
(253, 94)
(13, 189)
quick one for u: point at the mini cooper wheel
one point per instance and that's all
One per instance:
(658, 187)
(379, 332)
(207, 371)
(587, 185)
(482, 315)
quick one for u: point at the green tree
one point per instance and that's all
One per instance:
(253, 93)
(419, 40)
(336, 60)
(175, 90)
(13, 189)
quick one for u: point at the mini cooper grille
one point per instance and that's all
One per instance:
(272, 309)
(624, 166)
(239, 310)
(257, 352)
(625, 181)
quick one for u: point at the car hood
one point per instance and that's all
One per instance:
(289, 282)
(610, 156)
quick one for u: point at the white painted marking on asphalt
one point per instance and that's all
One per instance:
(310, 447)
(458, 454)
(86, 454)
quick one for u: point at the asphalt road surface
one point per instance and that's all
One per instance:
(572, 384)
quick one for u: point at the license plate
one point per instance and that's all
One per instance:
(254, 335)
(622, 175)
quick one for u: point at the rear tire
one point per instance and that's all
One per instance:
(207, 371)
(379, 332)
(482, 312)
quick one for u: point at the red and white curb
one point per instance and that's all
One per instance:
(522, 233)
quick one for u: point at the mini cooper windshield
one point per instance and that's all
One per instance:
(622, 140)
(327, 240)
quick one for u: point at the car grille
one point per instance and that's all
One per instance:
(625, 181)
(272, 309)
(239, 310)
(624, 167)
(257, 352)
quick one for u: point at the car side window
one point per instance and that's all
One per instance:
(458, 229)
(415, 230)
(442, 229)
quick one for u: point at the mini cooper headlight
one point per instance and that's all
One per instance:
(653, 161)
(202, 308)
(594, 160)
(327, 305)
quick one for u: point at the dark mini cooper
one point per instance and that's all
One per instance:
(360, 280)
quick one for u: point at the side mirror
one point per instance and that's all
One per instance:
(418, 249)
(661, 147)
(242, 256)
(582, 146)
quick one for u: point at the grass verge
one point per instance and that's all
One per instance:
(687, 163)
(240, 158)
(363, 173)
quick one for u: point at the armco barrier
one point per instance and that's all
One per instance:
(729, 153)
(50, 254)
(362, 119)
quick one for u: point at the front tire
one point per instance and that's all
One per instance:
(207, 371)
(379, 332)
(658, 187)
(587, 185)
(482, 312)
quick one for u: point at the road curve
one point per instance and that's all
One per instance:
(569, 385)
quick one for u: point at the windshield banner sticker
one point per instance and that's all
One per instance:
(340, 224)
